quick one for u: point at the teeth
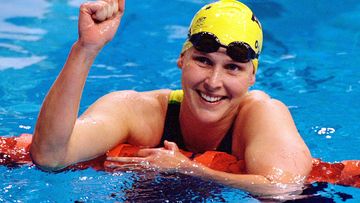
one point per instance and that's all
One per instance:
(210, 99)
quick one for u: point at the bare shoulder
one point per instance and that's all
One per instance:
(261, 114)
(265, 117)
(270, 137)
(141, 113)
(129, 100)
(149, 111)
(130, 96)
(258, 102)
(257, 97)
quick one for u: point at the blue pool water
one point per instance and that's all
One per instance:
(309, 61)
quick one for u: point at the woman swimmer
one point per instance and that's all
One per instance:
(215, 110)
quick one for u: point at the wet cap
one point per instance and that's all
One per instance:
(229, 21)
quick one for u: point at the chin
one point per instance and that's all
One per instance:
(208, 117)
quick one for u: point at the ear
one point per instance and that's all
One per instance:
(252, 79)
(180, 61)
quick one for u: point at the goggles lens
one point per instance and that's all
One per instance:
(208, 43)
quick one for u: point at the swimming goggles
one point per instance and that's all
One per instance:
(208, 43)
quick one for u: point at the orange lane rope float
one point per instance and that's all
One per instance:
(15, 151)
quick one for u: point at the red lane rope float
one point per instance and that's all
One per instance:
(15, 151)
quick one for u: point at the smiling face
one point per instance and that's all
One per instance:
(213, 84)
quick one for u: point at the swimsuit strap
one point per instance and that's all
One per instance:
(172, 130)
(226, 142)
(176, 97)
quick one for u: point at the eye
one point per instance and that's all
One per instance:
(203, 60)
(233, 67)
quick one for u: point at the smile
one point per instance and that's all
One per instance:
(210, 99)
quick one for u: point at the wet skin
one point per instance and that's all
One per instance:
(216, 96)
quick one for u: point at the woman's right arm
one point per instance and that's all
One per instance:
(57, 126)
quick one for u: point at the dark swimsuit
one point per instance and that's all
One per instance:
(172, 130)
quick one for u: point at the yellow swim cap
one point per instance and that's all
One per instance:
(230, 21)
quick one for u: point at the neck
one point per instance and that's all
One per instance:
(199, 136)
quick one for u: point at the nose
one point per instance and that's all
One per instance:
(214, 79)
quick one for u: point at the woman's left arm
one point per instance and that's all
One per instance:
(170, 158)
